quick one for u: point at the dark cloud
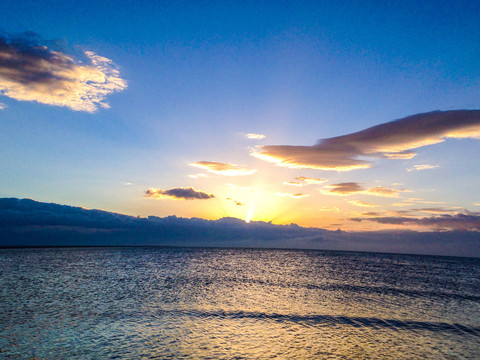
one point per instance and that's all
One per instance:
(30, 71)
(238, 203)
(187, 193)
(345, 188)
(393, 140)
(468, 221)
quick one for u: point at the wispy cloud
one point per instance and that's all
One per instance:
(423, 167)
(311, 180)
(223, 169)
(294, 196)
(293, 183)
(468, 221)
(197, 176)
(361, 203)
(255, 136)
(187, 193)
(393, 140)
(2, 106)
(350, 188)
(402, 204)
(438, 210)
(30, 71)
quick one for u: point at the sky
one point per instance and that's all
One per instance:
(353, 115)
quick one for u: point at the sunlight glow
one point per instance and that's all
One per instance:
(250, 212)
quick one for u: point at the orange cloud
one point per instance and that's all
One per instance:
(350, 188)
(31, 72)
(392, 140)
(223, 169)
(292, 183)
(311, 180)
(361, 203)
(294, 196)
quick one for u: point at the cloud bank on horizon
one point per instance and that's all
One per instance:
(33, 72)
(26, 222)
(392, 140)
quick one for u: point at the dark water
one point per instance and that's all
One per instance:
(101, 303)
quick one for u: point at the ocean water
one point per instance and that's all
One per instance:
(193, 303)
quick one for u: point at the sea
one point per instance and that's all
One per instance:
(212, 303)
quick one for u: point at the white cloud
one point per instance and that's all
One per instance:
(255, 136)
(31, 72)
(423, 167)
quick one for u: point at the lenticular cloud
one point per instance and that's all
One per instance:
(33, 72)
(392, 140)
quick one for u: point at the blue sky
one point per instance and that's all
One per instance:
(194, 78)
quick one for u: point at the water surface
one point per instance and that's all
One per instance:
(191, 303)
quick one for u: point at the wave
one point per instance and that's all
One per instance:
(355, 321)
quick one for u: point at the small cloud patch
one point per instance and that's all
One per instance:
(350, 188)
(422, 167)
(294, 196)
(255, 136)
(223, 168)
(187, 193)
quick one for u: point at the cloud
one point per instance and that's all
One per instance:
(187, 193)
(2, 106)
(347, 188)
(30, 71)
(468, 221)
(423, 167)
(223, 169)
(292, 183)
(255, 136)
(438, 210)
(197, 176)
(392, 140)
(294, 196)
(30, 223)
(238, 203)
(402, 204)
(361, 203)
(350, 188)
(311, 180)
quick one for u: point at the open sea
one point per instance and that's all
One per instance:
(200, 303)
